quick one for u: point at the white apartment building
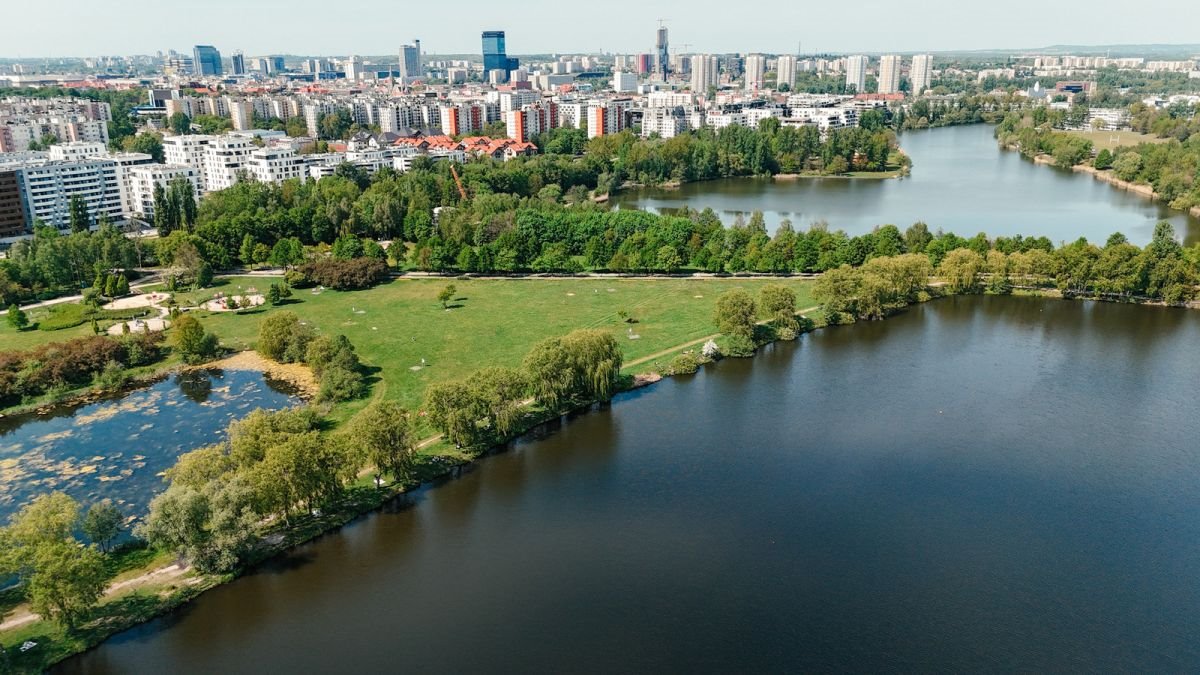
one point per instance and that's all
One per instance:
(73, 152)
(706, 73)
(921, 73)
(572, 114)
(48, 187)
(668, 99)
(856, 72)
(143, 179)
(224, 158)
(187, 150)
(785, 71)
(889, 74)
(756, 68)
(623, 82)
(666, 122)
(274, 165)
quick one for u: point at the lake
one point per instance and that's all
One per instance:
(980, 483)
(117, 448)
(961, 182)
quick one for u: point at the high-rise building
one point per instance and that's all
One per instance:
(354, 69)
(756, 67)
(662, 54)
(785, 71)
(206, 60)
(410, 59)
(921, 73)
(889, 74)
(624, 82)
(645, 64)
(495, 55)
(239, 63)
(856, 73)
(705, 73)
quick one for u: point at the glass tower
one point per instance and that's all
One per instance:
(495, 57)
(206, 60)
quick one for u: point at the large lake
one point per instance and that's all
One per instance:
(961, 182)
(118, 447)
(979, 484)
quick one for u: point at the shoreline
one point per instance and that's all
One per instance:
(1107, 176)
(364, 500)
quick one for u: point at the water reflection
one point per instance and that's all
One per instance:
(961, 182)
(117, 447)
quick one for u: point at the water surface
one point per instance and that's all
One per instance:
(117, 448)
(978, 484)
(961, 182)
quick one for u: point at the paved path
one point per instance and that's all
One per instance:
(24, 615)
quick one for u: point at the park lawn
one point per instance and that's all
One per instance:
(1108, 140)
(493, 322)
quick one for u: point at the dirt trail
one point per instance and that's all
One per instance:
(23, 615)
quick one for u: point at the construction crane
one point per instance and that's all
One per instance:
(458, 181)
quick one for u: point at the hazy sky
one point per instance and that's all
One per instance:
(94, 27)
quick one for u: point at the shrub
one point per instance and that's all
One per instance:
(346, 275)
(740, 346)
(340, 384)
(684, 364)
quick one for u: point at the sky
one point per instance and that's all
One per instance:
(313, 27)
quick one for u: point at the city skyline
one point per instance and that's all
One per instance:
(939, 26)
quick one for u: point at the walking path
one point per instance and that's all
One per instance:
(24, 615)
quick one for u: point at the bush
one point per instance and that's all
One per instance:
(296, 279)
(740, 346)
(346, 275)
(340, 384)
(59, 367)
(684, 364)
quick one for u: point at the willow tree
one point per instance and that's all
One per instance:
(383, 435)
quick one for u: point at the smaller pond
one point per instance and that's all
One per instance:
(118, 448)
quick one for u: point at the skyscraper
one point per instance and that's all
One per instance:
(785, 71)
(239, 63)
(889, 74)
(662, 54)
(756, 66)
(704, 73)
(410, 59)
(856, 73)
(921, 73)
(206, 60)
(495, 56)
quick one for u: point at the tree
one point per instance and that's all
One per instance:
(102, 523)
(446, 294)
(81, 217)
(283, 337)
(735, 313)
(1104, 160)
(148, 143)
(212, 527)
(67, 582)
(778, 302)
(383, 434)
(192, 342)
(960, 269)
(287, 253)
(180, 123)
(17, 318)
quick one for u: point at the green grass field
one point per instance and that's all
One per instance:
(491, 322)
(1107, 140)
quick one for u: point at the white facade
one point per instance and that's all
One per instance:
(274, 165)
(242, 114)
(785, 71)
(889, 74)
(668, 99)
(921, 73)
(623, 82)
(223, 160)
(705, 73)
(856, 73)
(143, 179)
(756, 68)
(48, 187)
